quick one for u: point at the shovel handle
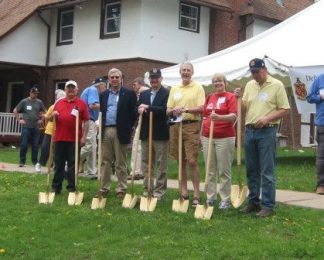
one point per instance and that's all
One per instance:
(136, 140)
(150, 153)
(180, 156)
(99, 149)
(76, 151)
(239, 138)
(50, 156)
(210, 146)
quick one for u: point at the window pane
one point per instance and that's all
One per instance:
(189, 11)
(188, 23)
(113, 25)
(113, 11)
(67, 18)
(67, 34)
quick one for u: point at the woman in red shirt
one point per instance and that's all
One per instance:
(221, 107)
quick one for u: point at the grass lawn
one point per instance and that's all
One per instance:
(32, 231)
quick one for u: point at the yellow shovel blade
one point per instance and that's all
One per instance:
(98, 203)
(148, 204)
(46, 197)
(75, 198)
(180, 205)
(238, 195)
(129, 201)
(204, 212)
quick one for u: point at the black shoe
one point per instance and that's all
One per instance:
(57, 192)
(264, 212)
(71, 189)
(251, 207)
(21, 165)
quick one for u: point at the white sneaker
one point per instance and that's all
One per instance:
(38, 167)
(224, 204)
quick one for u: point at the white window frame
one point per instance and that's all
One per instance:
(197, 18)
(61, 27)
(106, 19)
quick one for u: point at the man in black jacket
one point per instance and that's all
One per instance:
(155, 100)
(118, 107)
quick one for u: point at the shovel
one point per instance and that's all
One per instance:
(149, 203)
(205, 211)
(75, 198)
(130, 200)
(48, 197)
(181, 204)
(99, 202)
(238, 192)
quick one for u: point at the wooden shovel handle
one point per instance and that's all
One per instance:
(210, 146)
(239, 139)
(150, 153)
(76, 151)
(180, 156)
(99, 149)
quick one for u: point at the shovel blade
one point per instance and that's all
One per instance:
(148, 204)
(180, 205)
(238, 195)
(75, 198)
(46, 197)
(204, 212)
(98, 203)
(129, 201)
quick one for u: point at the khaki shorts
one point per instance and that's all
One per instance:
(191, 141)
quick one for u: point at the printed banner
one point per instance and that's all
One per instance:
(301, 79)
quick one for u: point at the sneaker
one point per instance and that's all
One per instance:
(195, 202)
(91, 176)
(38, 167)
(320, 190)
(251, 207)
(264, 212)
(57, 192)
(224, 204)
(210, 203)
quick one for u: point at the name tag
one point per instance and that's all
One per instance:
(29, 107)
(74, 112)
(263, 96)
(220, 101)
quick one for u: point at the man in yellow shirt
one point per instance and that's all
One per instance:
(266, 102)
(187, 100)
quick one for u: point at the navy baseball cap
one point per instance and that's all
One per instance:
(99, 80)
(34, 89)
(155, 73)
(256, 64)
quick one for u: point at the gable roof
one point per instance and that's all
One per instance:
(271, 10)
(217, 4)
(15, 12)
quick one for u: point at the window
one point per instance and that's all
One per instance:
(280, 2)
(65, 26)
(189, 16)
(60, 84)
(110, 19)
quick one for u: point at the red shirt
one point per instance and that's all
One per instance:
(223, 103)
(65, 121)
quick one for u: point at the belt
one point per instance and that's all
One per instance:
(265, 126)
(111, 125)
(184, 122)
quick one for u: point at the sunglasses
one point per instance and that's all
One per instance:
(114, 77)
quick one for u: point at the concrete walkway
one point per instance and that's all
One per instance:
(296, 198)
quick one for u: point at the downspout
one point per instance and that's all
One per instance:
(48, 46)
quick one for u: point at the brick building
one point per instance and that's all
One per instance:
(50, 41)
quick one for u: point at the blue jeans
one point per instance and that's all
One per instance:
(260, 158)
(29, 135)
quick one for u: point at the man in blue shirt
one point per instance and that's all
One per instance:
(316, 96)
(88, 152)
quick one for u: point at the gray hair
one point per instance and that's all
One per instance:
(59, 93)
(187, 63)
(139, 80)
(114, 70)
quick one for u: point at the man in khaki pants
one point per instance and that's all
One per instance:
(119, 112)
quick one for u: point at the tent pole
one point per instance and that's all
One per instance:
(292, 123)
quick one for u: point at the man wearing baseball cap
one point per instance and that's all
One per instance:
(29, 113)
(65, 112)
(265, 101)
(88, 152)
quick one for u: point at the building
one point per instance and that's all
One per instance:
(50, 41)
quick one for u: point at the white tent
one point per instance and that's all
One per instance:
(297, 41)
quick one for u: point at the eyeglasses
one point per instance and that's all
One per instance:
(114, 77)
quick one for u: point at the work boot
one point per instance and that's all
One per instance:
(320, 190)
(264, 212)
(251, 207)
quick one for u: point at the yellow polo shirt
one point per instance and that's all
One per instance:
(265, 99)
(189, 96)
(49, 129)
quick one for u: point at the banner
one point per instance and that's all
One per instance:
(301, 79)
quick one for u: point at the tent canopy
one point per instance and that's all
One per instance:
(297, 41)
